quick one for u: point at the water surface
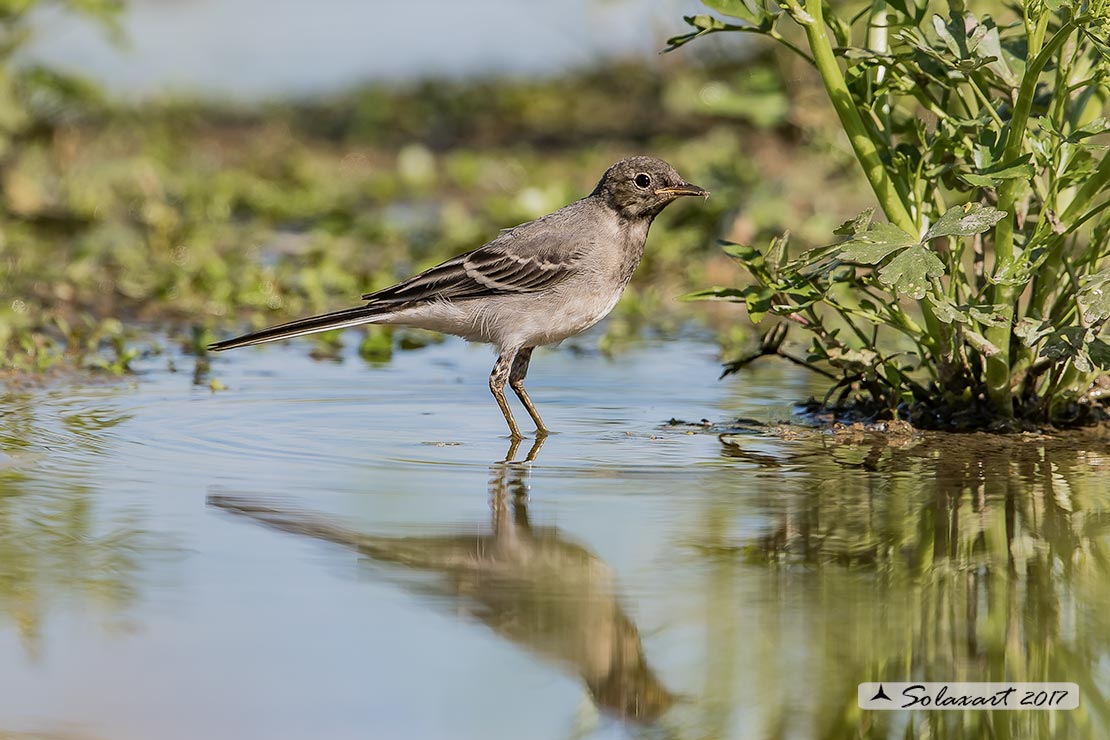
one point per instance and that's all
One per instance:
(331, 549)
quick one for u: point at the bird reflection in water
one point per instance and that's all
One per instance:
(528, 584)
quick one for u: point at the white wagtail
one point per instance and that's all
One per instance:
(538, 283)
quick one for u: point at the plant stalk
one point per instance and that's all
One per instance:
(1004, 295)
(894, 204)
(896, 210)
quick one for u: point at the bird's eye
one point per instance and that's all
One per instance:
(643, 180)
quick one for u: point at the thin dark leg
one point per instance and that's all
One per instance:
(497, 380)
(516, 382)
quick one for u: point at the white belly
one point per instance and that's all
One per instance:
(527, 320)
(564, 321)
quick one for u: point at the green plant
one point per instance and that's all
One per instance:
(984, 144)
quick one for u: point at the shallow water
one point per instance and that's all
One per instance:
(334, 550)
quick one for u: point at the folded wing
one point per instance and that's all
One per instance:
(513, 263)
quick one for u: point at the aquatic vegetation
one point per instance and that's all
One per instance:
(984, 143)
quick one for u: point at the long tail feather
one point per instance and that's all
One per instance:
(300, 327)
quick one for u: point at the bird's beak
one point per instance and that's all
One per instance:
(683, 189)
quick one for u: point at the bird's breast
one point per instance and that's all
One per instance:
(559, 314)
(630, 249)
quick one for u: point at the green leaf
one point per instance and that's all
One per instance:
(757, 299)
(852, 360)
(805, 294)
(751, 258)
(1014, 169)
(988, 45)
(751, 12)
(946, 37)
(842, 31)
(709, 294)
(856, 225)
(966, 220)
(1094, 128)
(742, 252)
(776, 257)
(706, 22)
(873, 245)
(1094, 298)
(758, 302)
(1068, 344)
(988, 315)
(1078, 168)
(1099, 352)
(1031, 331)
(946, 310)
(911, 271)
(1018, 272)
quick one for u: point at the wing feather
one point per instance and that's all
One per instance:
(513, 263)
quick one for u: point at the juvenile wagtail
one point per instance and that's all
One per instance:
(538, 283)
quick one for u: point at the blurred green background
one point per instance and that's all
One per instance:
(170, 166)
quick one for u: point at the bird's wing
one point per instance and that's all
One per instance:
(522, 260)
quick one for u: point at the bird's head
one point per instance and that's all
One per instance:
(641, 187)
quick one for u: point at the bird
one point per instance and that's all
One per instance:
(535, 284)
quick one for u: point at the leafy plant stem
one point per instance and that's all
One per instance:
(891, 200)
(1052, 264)
(997, 214)
(869, 341)
(808, 365)
(986, 101)
(998, 365)
(1094, 185)
(893, 206)
(1059, 103)
(790, 45)
(879, 42)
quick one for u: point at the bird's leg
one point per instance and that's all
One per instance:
(497, 380)
(514, 445)
(516, 382)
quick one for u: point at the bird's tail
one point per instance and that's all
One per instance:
(300, 327)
